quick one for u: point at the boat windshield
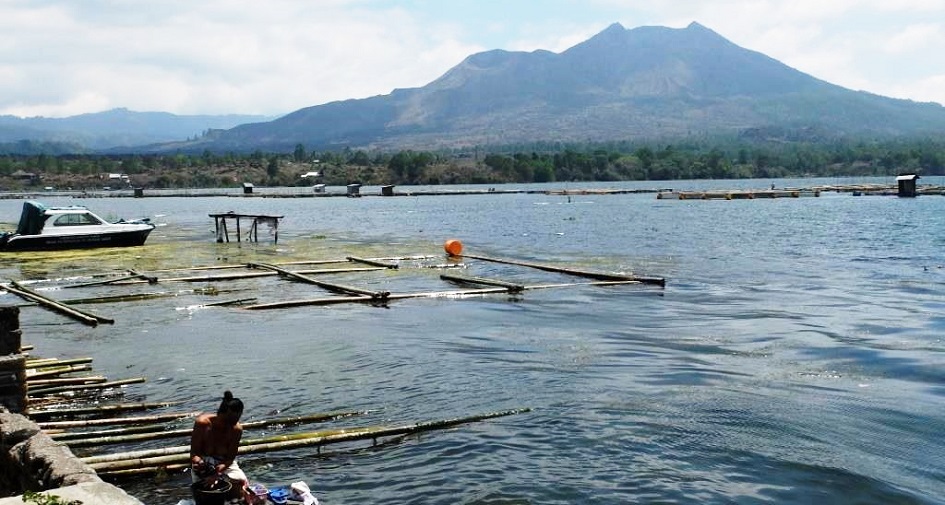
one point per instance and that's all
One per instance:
(79, 219)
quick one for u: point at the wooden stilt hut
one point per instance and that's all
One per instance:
(253, 221)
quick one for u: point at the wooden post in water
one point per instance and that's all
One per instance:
(13, 385)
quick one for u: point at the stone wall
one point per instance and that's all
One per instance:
(31, 460)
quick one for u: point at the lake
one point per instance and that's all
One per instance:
(796, 354)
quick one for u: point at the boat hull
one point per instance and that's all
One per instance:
(122, 238)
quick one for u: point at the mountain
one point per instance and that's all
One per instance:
(117, 128)
(647, 82)
(644, 83)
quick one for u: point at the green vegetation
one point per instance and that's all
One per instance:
(47, 499)
(543, 162)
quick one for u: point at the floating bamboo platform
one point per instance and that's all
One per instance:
(151, 461)
(332, 293)
(79, 426)
(737, 194)
(814, 191)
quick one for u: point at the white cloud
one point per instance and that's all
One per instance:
(916, 37)
(213, 57)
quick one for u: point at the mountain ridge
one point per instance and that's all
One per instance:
(117, 128)
(644, 83)
(620, 84)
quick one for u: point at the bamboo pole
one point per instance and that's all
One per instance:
(52, 305)
(119, 298)
(482, 280)
(433, 294)
(66, 381)
(150, 278)
(250, 275)
(338, 288)
(106, 459)
(115, 421)
(53, 372)
(56, 362)
(62, 435)
(102, 283)
(62, 307)
(42, 360)
(251, 425)
(100, 409)
(238, 301)
(366, 261)
(84, 387)
(238, 266)
(59, 306)
(659, 281)
(177, 455)
(133, 472)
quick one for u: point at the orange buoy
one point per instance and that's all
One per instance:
(453, 247)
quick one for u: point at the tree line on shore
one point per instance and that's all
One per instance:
(537, 162)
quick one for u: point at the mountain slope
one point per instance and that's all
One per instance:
(645, 83)
(620, 84)
(116, 128)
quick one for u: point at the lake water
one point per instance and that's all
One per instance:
(796, 354)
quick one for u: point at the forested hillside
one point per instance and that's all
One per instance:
(731, 159)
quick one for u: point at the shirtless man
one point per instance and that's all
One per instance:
(214, 443)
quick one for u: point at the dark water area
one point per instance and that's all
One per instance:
(796, 354)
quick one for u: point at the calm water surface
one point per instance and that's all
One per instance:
(795, 355)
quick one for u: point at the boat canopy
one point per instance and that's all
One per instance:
(32, 218)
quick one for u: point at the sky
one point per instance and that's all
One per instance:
(66, 57)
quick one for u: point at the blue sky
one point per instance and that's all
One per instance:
(67, 57)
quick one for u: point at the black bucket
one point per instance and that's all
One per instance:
(216, 495)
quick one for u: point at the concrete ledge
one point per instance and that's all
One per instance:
(89, 493)
(32, 461)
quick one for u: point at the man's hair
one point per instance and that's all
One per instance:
(230, 404)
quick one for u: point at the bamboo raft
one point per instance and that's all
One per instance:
(737, 194)
(177, 458)
(338, 293)
(81, 430)
(80, 427)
